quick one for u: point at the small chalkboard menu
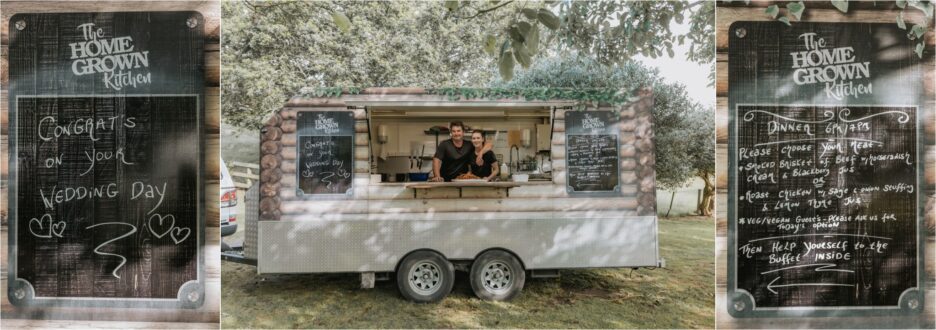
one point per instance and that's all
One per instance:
(824, 171)
(106, 159)
(325, 153)
(592, 139)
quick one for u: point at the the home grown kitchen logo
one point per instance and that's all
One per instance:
(837, 68)
(116, 58)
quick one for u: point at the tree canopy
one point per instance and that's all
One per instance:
(610, 31)
(272, 49)
(685, 132)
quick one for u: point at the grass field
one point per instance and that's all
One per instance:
(681, 296)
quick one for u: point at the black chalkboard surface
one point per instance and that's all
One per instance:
(592, 139)
(107, 160)
(325, 153)
(824, 175)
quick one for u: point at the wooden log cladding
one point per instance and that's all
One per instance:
(4, 114)
(212, 200)
(4, 160)
(271, 147)
(287, 192)
(269, 189)
(212, 68)
(272, 134)
(929, 214)
(721, 213)
(721, 120)
(212, 110)
(721, 170)
(270, 214)
(289, 113)
(930, 167)
(270, 203)
(271, 176)
(728, 15)
(269, 162)
(275, 119)
(929, 121)
(210, 10)
(4, 67)
(212, 160)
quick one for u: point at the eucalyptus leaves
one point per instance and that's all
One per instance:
(610, 31)
(915, 32)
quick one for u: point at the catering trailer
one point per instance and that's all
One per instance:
(338, 192)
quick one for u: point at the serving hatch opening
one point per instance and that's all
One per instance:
(404, 135)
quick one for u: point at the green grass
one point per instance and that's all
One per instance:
(681, 296)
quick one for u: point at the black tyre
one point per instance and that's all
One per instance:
(497, 275)
(425, 276)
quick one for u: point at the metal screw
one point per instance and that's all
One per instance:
(739, 306)
(192, 22)
(193, 296)
(913, 304)
(740, 32)
(20, 293)
(20, 25)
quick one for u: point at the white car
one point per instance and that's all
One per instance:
(228, 203)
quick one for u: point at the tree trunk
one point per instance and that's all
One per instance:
(672, 197)
(707, 206)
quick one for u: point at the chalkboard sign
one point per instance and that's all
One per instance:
(592, 139)
(325, 153)
(106, 152)
(824, 170)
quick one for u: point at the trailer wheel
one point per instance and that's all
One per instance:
(425, 276)
(497, 275)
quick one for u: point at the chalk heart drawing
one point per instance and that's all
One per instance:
(165, 225)
(43, 227)
(157, 228)
(180, 234)
(58, 228)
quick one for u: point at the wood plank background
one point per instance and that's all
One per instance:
(209, 312)
(884, 12)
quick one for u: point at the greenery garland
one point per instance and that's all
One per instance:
(581, 95)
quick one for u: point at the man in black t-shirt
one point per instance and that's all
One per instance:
(452, 156)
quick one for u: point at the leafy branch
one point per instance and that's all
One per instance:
(795, 11)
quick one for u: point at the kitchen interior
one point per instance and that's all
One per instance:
(404, 139)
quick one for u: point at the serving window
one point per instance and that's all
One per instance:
(404, 140)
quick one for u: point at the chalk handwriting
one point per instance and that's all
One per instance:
(97, 250)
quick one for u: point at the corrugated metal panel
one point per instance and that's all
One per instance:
(252, 210)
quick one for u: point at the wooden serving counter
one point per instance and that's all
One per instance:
(495, 184)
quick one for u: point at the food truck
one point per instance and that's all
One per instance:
(343, 189)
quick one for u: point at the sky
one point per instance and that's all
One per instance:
(678, 69)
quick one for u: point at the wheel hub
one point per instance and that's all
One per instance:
(425, 278)
(497, 277)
